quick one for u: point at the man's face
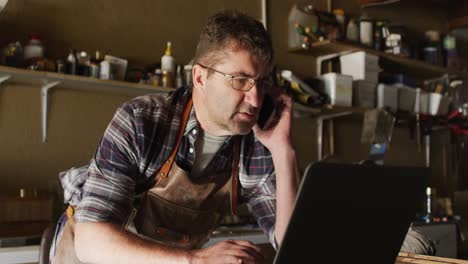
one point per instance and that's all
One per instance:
(230, 111)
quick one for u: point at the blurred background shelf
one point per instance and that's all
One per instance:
(391, 62)
(76, 82)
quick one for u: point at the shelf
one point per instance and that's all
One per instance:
(325, 110)
(48, 80)
(418, 68)
(78, 82)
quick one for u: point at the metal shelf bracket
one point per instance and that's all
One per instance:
(4, 78)
(46, 86)
(320, 120)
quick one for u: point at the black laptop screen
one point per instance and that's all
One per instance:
(352, 213)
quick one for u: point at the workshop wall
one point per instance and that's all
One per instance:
(138, 31)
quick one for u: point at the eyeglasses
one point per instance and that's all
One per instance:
(241, 83)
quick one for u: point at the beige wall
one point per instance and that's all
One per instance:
(138, 30)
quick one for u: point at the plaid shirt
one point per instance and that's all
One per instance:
(138, 140)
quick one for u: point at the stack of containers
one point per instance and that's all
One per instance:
(387, 96)
(339, 88)
(364, 68)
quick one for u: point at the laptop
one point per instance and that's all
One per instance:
(349, 213)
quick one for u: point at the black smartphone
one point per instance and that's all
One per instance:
(267, 116)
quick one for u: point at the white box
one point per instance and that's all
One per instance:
(339, 87)
(118, 68)
(411, 99)
(434, 104)
(387, 96)
(360, 65)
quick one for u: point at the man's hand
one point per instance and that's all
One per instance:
(280, 134)
(228, 252)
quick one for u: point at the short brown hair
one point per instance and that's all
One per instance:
(233, 27)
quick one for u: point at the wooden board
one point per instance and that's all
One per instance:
(404, 258)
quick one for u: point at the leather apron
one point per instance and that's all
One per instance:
(177, 210)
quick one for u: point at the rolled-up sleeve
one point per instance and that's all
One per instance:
(262, 205)
(109, 189)
(258, 180)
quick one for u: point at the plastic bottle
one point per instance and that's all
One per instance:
(450, 48)
(95, 61)
(366, 31)
(432, 49)
(167, 60)
(72, 62)
(34, 49)
(340, 18)
(105, 70)
(352, 31)
(379, 35)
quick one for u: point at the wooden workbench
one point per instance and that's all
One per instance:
(405, 258)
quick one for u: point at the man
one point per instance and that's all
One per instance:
(166, 171)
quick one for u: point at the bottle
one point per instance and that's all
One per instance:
(188, 74)
(340, 18)
(378, 36)
(166, 79)
(352, 31)
(84, 62)
(105, 72)
(157, 77)
(450, 49)
(432, 50)
(60, 66)
(167, 60)
(34, 49)
(366, 31)
(94, 65)
(72, 62)
(179, 79)
(33, 52)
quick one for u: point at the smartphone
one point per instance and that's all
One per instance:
(267, 118)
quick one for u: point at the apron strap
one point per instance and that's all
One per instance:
(235, 175)
(166, 167)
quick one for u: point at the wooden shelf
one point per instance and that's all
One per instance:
(78, 82)
(302, 110)
(48, 80)
(417, 68)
